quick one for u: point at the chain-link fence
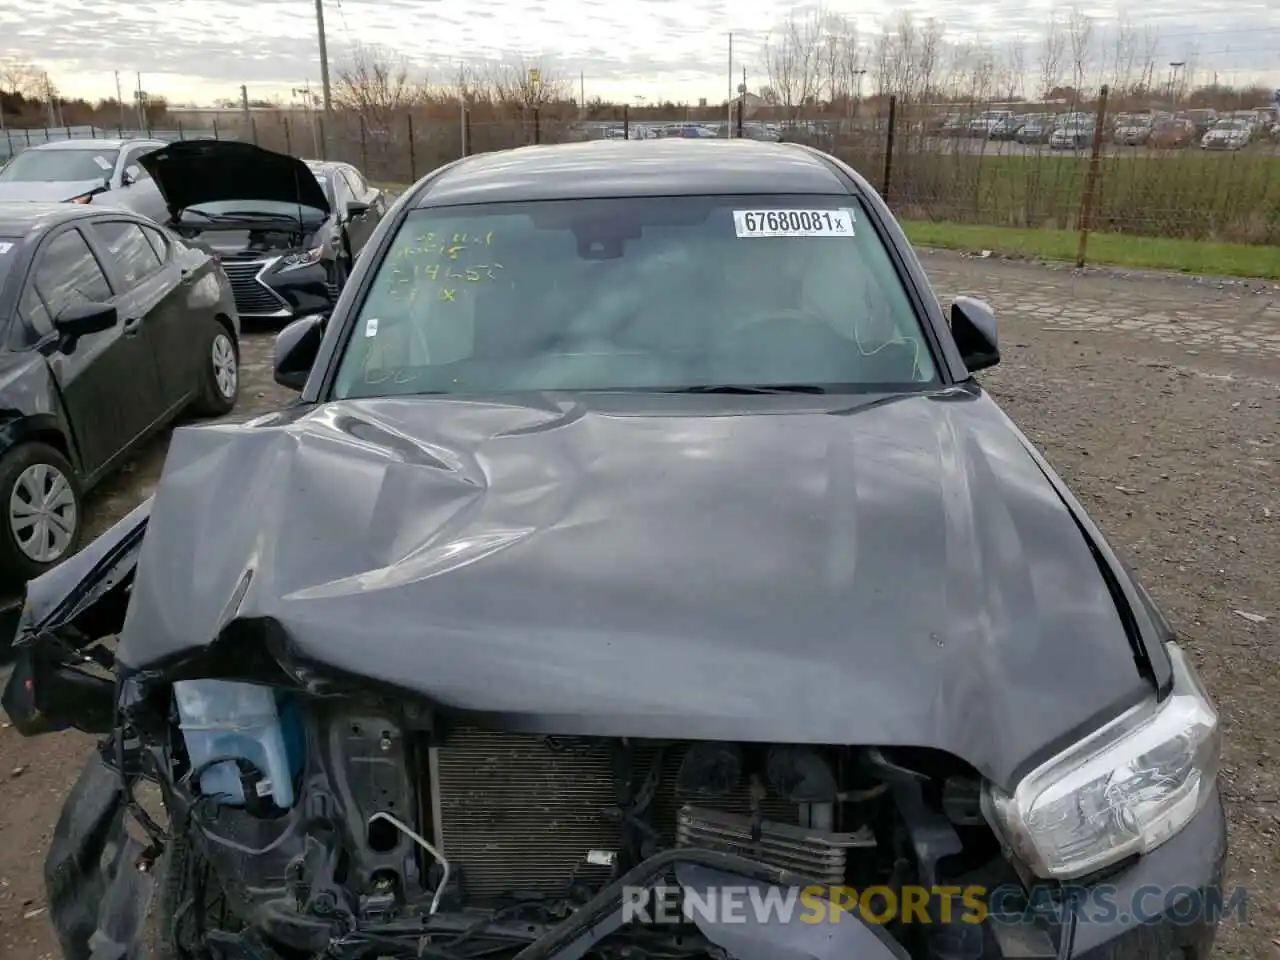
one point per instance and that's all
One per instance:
(1187, 175)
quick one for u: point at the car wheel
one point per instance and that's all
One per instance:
(220, 373)
(42, 510)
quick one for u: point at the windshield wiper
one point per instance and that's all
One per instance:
(239, 216)
(747, 388)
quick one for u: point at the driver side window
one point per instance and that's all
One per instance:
(342, 191)
(67, 272)
(131, 166)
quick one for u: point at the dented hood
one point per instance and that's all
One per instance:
(788, 569)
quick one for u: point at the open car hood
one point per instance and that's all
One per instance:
(191, 172)
(898, 573)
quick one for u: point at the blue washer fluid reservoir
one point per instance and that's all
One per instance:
(226, 719)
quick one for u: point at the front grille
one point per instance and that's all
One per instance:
(520, 813)
(251, 295)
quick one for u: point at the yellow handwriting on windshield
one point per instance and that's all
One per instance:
(440, 258)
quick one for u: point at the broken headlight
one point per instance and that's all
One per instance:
(1121, 791)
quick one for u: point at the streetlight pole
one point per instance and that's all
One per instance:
(728, 132)
(1174, 65)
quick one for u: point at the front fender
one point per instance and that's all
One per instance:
(57, 681)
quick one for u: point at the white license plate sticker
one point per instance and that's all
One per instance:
(793, 223)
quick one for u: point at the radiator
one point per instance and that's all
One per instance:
(515, 816)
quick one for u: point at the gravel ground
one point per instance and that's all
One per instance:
(1158, 400)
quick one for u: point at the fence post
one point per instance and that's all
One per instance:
(288, 137)
(364, 146)
(253, 129)
(181, 134)
(324, 139)
(537, 127)
(215, 128)
(626, 121)
(27, 131)
(120, 131)
(888, 147)
(413, 153)
(466, 131)
(1091, 176)
(742, 108)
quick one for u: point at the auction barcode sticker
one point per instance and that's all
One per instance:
(793, 223)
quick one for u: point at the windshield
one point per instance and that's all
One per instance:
(8, 254)
(270, 208)
(1231, 125)
(635, 294)
(60, 166)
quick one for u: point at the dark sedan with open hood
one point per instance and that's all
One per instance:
(286, 239)
(642, 573)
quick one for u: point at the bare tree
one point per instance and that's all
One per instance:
(375, 83)
(792, 60)
(20, 77)
(520, 81)
(1052, 47)
(852, 64)
(1080, 35)
(1149, 45)
(1015, 69)
(829, 47)
(929, 57)
(903, 70)
(1124, 55)
(883, 59)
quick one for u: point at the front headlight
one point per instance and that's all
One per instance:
(1121, 791)
(302, 259)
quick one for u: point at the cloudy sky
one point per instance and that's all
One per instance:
(202, 50)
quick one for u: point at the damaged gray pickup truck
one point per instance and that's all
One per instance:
(640, 540)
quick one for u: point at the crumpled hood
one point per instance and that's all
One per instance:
(57, 191)
(752, 568)
(189, 172)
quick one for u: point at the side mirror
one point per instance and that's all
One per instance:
(131, 175)
(973, 327)
(81, 319)
(356, 209)
(297, 346)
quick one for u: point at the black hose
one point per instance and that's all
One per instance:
(603, 903)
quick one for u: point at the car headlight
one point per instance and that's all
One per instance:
(1123, 790)
(302, 258)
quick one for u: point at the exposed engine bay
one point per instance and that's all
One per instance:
(400, 828)
(250, 243)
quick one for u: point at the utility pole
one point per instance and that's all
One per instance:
(729, 119)
(120, 99)
(324, 68)
(48, 92)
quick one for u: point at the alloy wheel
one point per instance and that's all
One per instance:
(42, 513)
(226, 372)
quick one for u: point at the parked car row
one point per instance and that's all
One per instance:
(126, 267)
(1075, 130)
